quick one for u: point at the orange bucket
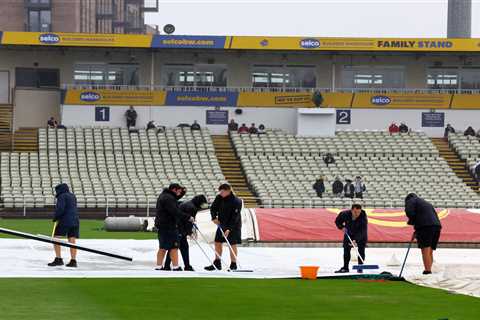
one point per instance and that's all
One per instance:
(309, 272)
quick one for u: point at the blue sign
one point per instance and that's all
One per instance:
(201, 99)
(309, 43)
(1, 34)
(102, 114)
(433, 119)
(193, 42)
(344, 116)
(90, 96)
(381, 100)
(49, 38)
(217, 117)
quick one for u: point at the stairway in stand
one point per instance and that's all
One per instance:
(6, 114)
(232, 169)
(458, 166)
(25, 140)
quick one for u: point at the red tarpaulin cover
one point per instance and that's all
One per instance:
(385, 225)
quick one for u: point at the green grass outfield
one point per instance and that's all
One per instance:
(89, 229)
(193, 299)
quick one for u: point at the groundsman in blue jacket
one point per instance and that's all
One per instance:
(67, 223)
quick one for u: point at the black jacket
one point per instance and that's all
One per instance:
(66, 213)
(403, 128)
(169, 214)
(349, 189)
(319, 186)
(228, 211)
(131, 114)
(337, 187)
(421, 213)
(191, 208)
(328, 159)
(357, 229)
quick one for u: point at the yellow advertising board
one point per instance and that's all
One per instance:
(402, 100)
(77, 39)
(115, 97)
(354, 44)
(337, 99)
(466, 101)
(275, 99)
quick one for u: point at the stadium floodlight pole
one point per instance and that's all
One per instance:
(61, 243)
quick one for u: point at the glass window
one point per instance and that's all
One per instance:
(37, 78)
(100, 74)
(300, 77)
(33, 21)
(442, 78)
(373, 77)
(188, 75)
(45, 20)
(470, 78)
(268, 76)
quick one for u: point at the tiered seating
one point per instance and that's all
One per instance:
(110, 166)
(467, 148)
(282, 168)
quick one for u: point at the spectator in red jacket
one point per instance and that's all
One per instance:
(243, 129)
(393, 128)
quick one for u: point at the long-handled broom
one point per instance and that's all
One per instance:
(360, 266)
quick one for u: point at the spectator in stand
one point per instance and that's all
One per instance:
(448, 129)
(131, 116)
(349, 189)
(337, 187)
(261, 129)
(403, 128)
(359, 187)
(232, 126)
(253, 129)
(476, 171)
(195, 125)
(469, 132)
(243, 129)
(52, 123)
(319, 187)
(393, 128)
(153, 125)
(478, 133)
(328, 159)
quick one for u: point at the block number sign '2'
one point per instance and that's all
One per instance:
(344, 117)
(102, 114)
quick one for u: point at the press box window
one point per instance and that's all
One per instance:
(442, 78)
(373, 77)
(189, 75)
(39, 20)
(278, 76)
(106, 74)
(37, 78)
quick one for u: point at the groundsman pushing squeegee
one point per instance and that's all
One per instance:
(61, 243)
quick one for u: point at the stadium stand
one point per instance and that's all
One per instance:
(466, 147)
(281, 169)
(127, 170)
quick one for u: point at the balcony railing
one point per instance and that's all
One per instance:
(265, 89)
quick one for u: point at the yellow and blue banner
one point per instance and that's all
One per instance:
(466, 101)
(114, 97)
(402, 100)
(201, 99)
(241, 42)
(190, 42)
(76, 39)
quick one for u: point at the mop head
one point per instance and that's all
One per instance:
(366, 267)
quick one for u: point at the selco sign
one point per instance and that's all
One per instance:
(90, 96)
(309, 43)
(49, 38)
(381, 100)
